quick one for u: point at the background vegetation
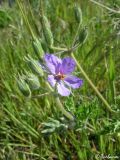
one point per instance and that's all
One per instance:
(96, 131)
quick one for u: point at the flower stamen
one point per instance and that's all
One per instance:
(59, 76)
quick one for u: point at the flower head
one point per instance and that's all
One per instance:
(60, 74)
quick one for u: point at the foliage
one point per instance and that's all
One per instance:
(95, 131)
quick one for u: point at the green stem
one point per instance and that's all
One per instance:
(60, 106)
(41, 95)
(93, 86)
(58, 48)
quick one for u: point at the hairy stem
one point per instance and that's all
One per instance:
(92, 85)
(59, 105)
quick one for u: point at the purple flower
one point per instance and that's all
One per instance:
(60, 74)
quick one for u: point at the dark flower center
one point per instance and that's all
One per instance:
(59, 76)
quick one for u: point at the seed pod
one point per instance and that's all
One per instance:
(35, 66)
(83, 35)
(38, 48)
(32, 81)
(78, 14)
(23, 87)
(47, 31)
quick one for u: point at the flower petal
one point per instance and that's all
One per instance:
(52, 62)
(73, 81)
(62, 90)
(51, 80)
(68, 65)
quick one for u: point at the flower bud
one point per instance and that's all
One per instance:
(83, 35)
(23, 87)
(47, 31)
(78, 14)
(38, 48)
(34, 66)
(32, 81)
